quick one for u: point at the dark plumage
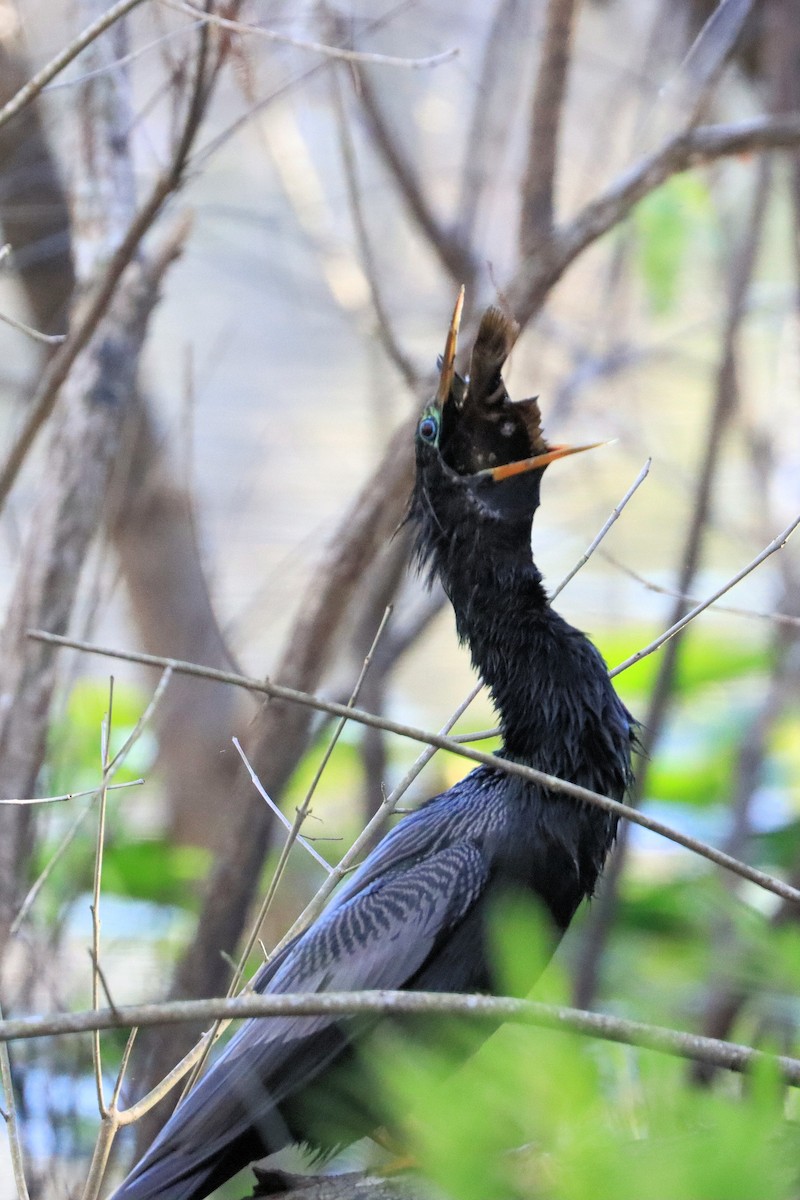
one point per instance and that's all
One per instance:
(414, 914)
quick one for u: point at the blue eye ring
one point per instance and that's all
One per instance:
(428, 428)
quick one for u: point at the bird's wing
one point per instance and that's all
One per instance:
(464, 810)
(379, 939)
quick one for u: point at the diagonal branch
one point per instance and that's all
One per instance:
(507, 766)
(455, 257)
(93, 30)
(539, 272)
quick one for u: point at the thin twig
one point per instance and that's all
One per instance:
(696, 77)
(638, 481)
(303, 810)
(535, 277)
(72, 832)
(284, 820)
(285, 39)
(551, 782)
(777, 618)
(385, 331)
(125, 59)
(10, 1118)
(96, 886)
(110, 787)
(139, 727)
(64, 57)
(494, 1009)
(301, 813)
(48, 339)
(200, 159)
(776, 544)
(123, 1067)
(372, 831)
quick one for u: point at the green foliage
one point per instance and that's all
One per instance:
(705, 658)
(155, 870)
(542, 1114)
(667, 223)
(142, 868)
(538, 1113)
(74, 745)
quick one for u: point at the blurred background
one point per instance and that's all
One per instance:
(242, 506)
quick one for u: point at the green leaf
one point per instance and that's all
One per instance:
(666, 223)
(155, 870)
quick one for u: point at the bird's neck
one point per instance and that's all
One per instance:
(517, 643)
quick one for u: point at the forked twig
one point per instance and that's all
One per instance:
(372, 831)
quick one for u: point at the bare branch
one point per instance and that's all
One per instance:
(537, 275)
(777, 618)
(95, 905)
(284, 39)
(387, 335)
(258, 785)
(776, 544)
(764, 880)
(111, 787)
(92, 31)
(536, 213)
(729, 1055)
(638, 481)
(456, 258)
(497, 93)
(10, 1118)
(707, 57)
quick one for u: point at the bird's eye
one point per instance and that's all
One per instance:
(428, 428)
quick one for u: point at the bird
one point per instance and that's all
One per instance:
(416, 913)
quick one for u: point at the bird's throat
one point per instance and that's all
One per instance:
(515, 639)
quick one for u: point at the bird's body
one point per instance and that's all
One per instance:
(415, 914)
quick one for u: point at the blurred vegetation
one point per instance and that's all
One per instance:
(536, 1113)
(539, 1113)
(274, 386)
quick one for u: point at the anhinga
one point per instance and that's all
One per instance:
(415, 914)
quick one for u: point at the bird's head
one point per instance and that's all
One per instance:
(480, 455)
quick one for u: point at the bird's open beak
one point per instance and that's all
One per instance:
(449, 358)
(498, 474)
